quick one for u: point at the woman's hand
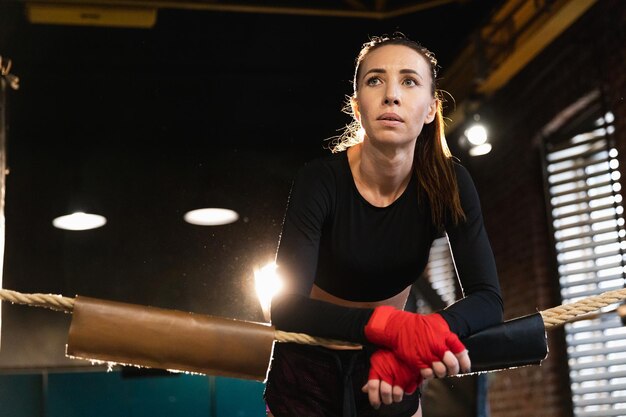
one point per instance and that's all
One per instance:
(450, 365)
(389, 379)
(424, 342)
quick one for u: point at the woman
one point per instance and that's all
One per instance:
(357, 233)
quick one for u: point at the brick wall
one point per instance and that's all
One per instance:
(589, 55)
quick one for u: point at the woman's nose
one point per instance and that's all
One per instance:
(392, 100)
(391, 97)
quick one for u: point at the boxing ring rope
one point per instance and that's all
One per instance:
(566, 313)
(51, 301)
(552, 317)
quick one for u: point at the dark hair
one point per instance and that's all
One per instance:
(433, 162)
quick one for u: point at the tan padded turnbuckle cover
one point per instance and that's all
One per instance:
(168, 339)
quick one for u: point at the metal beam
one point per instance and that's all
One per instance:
(129, 17)
(515, 34)
(211, 5)
(534, 40)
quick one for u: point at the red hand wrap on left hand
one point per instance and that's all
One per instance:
(418, 340)
(386, 367)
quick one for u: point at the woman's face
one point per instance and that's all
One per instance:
(394, 98)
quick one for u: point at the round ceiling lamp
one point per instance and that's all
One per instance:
(79, 221)
(211, 216)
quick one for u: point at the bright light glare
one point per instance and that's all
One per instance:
(267, 283)
(79, 221)
(211, 216)
(477, 134)
(483, 149)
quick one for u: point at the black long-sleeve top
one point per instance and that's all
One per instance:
(334, 238)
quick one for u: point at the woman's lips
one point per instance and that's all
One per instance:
(390, 119)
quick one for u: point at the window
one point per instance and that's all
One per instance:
(585, 206)
(437, 288)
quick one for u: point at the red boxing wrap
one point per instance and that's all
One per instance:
(419, 340)
(386, 367)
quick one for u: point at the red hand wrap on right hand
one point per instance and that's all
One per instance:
(386, 367)
(419, 340)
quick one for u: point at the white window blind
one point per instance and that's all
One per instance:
(440, 270)
(438, 283)
(583, 191)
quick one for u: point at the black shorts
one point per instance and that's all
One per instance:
(312, 381)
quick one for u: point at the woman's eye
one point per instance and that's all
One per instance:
(373, 81)
(410, 82)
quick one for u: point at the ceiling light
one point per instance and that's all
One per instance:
(211, 216)
(483, 149)
(476, 134)
(79, 221)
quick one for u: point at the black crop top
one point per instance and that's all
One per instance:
(355, 251)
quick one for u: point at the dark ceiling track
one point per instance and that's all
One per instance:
(7, 80)
(372, 9)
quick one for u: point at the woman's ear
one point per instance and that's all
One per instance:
(432, 110)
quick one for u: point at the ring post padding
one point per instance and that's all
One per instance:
(167, 339)
(518, 342)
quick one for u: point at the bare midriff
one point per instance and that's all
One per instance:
(398, 301)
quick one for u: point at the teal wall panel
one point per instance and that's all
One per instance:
(21, 395)
(239, 398)
(109, 394)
